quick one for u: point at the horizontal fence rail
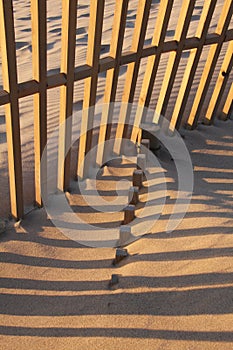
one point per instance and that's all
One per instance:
(69, 74)
(31, 87)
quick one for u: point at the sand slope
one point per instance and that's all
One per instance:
(174, 292)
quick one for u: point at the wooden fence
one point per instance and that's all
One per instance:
(38, 86)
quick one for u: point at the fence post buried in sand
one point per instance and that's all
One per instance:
(125, 232)
(133, 195)
(114, 280)
(137, 178)
(129, 214)
(120, 255)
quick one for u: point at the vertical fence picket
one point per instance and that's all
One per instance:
(139, 34)
(211, 62)
(112, 75)
(69, 21)
(174, 58)
(39, 62)
(159, 35)
(90, 87)
(9, 73)
(228, 106)
(192, 64)
(220, 84)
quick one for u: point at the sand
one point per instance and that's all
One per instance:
(175, 290)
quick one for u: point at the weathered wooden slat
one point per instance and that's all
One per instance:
(9, 73)
(192, 64)
(228, 106)
(138, 39)
(211, 62)
(112, 75)
(174, 59)
(39, 61)
(220, 85)
(160, 30)
(69, 21)
(90, 88)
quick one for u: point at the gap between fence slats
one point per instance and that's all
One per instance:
(90, 87)
(69, 21)
(39, 62)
